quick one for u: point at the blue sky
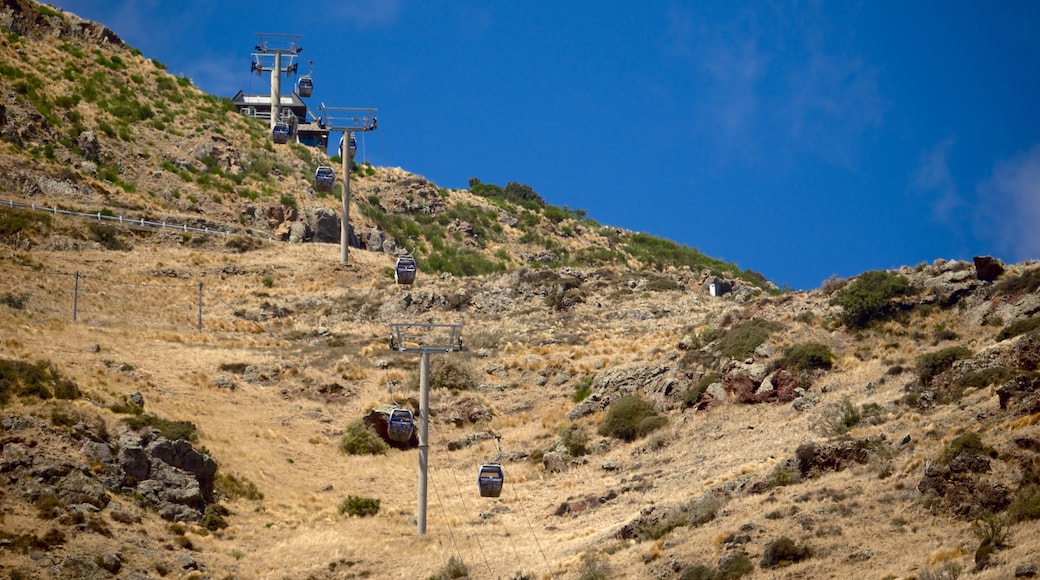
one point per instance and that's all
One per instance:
(801, 140)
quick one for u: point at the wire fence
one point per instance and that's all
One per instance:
(135, 223)
(100, 300)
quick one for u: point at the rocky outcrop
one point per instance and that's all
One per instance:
(170, 477)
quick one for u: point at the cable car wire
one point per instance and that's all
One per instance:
(465, 508)
(533, 534)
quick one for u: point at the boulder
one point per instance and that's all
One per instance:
(988, 268)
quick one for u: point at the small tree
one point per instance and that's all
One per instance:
(868, 299)
(630, 418)
(361, 439)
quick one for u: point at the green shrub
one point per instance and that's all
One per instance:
(288, 201)
(837, 418)
(992, 530)
(1026, 505)
(868, 299)
(108, 237)
(455, 568)
(574, 438)
(40, 380)
(630, 418)
(231, 488)
(783, 552)
(967, 443)
(741, 341)
(697, 572)
(359, 506)
(584, 389)
(986, 377)
(1019, 328)
(450, 373)
(694, 394)
(214, 517)
(1024, 283)
(172, 430)
(594, 567)
(807, 357)
(361, 439)
(930, 364)
(14, 221)
(735, 566)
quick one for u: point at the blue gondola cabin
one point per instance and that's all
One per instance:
(304, 86)
(280, 133)
(324, 178)
(400, 425)
(490, 479)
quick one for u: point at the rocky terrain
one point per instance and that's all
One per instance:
(185, 405)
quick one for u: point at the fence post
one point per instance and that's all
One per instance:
(200, 306)
(75, 297)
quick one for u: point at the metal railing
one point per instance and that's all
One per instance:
(133, 223)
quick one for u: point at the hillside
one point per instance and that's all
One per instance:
(176, 405)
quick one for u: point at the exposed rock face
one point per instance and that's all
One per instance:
(987, 268)
(326, 226)
(170, 477)
(960, 485)
(814, 459)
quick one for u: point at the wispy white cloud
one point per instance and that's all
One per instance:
(1010, 207)
(830, 103)
(932, 177)
(774, 83)
(365, 14)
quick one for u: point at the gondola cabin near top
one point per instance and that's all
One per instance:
(304, 86)
(404, 270)
(324, 178)
(280, 133)
(352, 148)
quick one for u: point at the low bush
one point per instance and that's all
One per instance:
(172, 430)
(361, 439)
(807, 357)
(694, 394)
(967, 444)
(231, 488)
(594, 567)
(359, 506)
(1019, 328)
(836, 418)
(214, 517)
(783, 552)
(450, 373)
(741, 341)
(930, 364)
(630, 418)
(34, 380)
(455, 568)
(574, 439)
(1025, 283)
(869, 298)
(1026, 505)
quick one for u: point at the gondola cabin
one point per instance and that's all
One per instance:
(304, 86)
(324, 178)
(353, 146)
(404, 270)
(400, 425)
(490, 479)
(280, 133)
